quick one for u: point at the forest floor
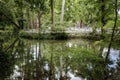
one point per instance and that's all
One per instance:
(70, 30)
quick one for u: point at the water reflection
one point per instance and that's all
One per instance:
(114, 57)
(7, 62)
(61, 60)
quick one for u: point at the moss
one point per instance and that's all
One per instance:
(61, 36)
(92, 37)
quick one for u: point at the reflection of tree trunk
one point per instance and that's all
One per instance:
(113, 32)
(51, 72)
(61, 63)
(21, 67)
(40, 60)
(66, 70)
(27, 68)
(36, 63)
(61, 67)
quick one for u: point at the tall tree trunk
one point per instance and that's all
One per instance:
(31, 24)
(81, 23)
(62, 11)
(52, 13)
(33, 21)
(113, 32)
(102, 16)
(39, 19)
(28, 18)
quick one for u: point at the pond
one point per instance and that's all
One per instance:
(74, 59)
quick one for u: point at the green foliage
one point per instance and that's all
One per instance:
(109, 24)
(38, 5)
(118, 22)
(88, 64)
(88, 11)
(5, 14)
(98, 42)
(6, 65)
(7, 61)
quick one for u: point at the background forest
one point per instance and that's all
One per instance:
(41, 14)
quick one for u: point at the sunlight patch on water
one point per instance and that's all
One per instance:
(69, 44)
(16, 73)
(113, 57)
(35, 51)
(73, 77)
(46, 66)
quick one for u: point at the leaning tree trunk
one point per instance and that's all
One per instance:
(113, 32)
(62, 11)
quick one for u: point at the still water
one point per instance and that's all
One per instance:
(74, 59)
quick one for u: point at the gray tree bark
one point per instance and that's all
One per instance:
(62, 11)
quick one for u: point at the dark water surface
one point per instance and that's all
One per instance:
(74, 59)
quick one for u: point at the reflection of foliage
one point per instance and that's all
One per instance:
(29, 61)
(6, 64)
(81, 59)
(88, 64)
(7, 59)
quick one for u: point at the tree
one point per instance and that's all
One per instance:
(28, 17)
(52, 13)
(114, 27)
(7, 14)
(96, 13)
(38, 6)
(20, 15)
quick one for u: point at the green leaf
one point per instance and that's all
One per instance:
(110, 24)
